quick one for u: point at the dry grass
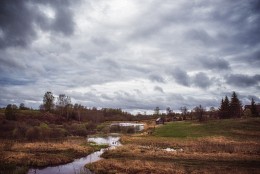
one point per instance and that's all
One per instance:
(129, 166)
(43, 153)
(202, 155)
(134, 167)
(221, 146)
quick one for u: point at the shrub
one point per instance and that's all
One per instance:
(115, 128)
(33, 133)
(78, 129)
(10, 112)
(90, 126)
(58, 133)
(20, 131)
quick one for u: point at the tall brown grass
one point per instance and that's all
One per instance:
(146, 154)
(43, 153)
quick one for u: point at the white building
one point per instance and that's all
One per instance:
(137, 126)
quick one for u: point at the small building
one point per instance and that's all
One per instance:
(159, 120)
(257, 108)
(136, 126)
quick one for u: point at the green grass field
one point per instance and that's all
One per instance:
(235, 128)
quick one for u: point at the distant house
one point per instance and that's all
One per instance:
(136, 126)
(159, 120)
(257, 107)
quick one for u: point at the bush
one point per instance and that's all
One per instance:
(115, 128)
(122, 129)
(45, 133)
(78, 129)
(128, 129)
(90, 126)
(58, 133)
(20, 131)
(33, 133)
(10, 112)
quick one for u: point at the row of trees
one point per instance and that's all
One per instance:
(229, 108)
(63, 106)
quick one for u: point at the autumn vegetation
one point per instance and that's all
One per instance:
(226, 138)
(232, 146)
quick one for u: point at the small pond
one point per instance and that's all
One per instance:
(77, 166)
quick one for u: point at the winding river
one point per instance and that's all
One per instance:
(77, 166)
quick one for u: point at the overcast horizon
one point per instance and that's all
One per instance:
(130, 54)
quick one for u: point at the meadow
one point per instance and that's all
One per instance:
(217, 146)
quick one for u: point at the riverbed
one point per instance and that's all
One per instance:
(77, 166)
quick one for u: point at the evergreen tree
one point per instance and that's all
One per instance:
(235, 106)
(221, 109)
(253, 108)
(225, 108)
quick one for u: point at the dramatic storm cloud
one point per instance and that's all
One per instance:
(130, 54)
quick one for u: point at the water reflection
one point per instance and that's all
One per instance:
(77, 166)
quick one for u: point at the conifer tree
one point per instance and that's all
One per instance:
(225, 108)
(235, 106)
(253, 108)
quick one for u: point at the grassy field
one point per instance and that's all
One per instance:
(221, 146)
(240, 128)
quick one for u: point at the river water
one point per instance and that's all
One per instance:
(77, 166)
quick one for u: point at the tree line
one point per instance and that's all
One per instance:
(62, 106)
(229, 108)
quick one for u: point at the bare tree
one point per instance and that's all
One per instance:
(168, 111)
(157, 111)
(64, 105)
(199, 111)
(48, 101)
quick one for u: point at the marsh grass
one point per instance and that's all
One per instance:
(40, 154)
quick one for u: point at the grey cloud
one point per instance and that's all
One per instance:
(251, 58)
(15, 24)
(215, 63)
(18, 18)
(110, 64)
(84, 48)
(156, 78)
(181, 77)
(176, 101)
(201, 36)
(159, 89)
(10, 64)
(106, 97)
(201, 80)
(241, 80)
(4, 81)
(243, 17)
(249, 98)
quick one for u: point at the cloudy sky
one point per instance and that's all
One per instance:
(130, 54)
